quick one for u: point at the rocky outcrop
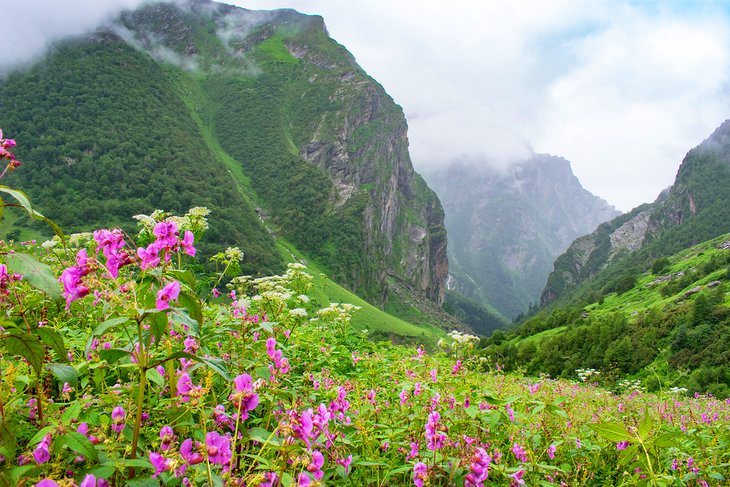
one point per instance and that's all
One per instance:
(692, 210)
(507, 226)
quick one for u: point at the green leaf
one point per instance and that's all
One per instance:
(71, 413)
(180, 316)
(37, 274)
(262, 436)
(192, 305)
(158, 326)
(645, 426)
(80, 444)
(217, 365)
(138, 462)
(108, 325)
(665, 441)
(611, 431)
(64, 373)
(113, 355)
(628, 455)
(53, 339)
(19, 196)
(148, 482)
(28, 347)
(155, 377)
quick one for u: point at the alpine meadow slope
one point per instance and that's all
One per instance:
(694, 209)
(197, 103)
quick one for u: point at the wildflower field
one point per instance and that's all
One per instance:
(121, 366)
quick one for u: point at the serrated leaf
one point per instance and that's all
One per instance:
(645, 426)
(109, 324)
(180, 316)
(262, 436)
(665, 441)
(80, 444)
(155, 377)
(192, 305)
(64, 373)
(40, 434)
(628, 455)
(37, 274)
(216, 365)
(158, 326)
(113, 355)
(71, 413)
(611, 431)
(19, 196)
(53, 339)
(28, 347)
(148, 482)
(137, 462)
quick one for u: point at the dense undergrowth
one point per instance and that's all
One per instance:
(120, 366)
(668, 327)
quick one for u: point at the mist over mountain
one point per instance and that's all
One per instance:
(507, 226)
(259, 116)
(695, 208)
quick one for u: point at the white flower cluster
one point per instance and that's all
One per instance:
(585, 374)
(630, 385)
(678, 390)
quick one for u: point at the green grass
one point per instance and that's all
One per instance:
(326, 291)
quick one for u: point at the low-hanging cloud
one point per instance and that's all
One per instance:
(30, 26)
(620, 88)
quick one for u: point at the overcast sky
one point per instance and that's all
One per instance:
(622, 89)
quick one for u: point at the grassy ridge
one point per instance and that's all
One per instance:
(669, 327)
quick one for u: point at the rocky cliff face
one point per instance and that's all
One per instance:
(506, 227)
(695, 208)
(330, 114)
(314, 141)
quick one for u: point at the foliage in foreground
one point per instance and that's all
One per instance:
(135, 374)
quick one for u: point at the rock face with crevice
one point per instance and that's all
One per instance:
(694, 209)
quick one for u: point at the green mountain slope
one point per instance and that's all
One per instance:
(107, 139)
(694, 209)
(669, 328)
(259, 116)
(507, 226)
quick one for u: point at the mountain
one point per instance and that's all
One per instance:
(669, 328)
(695, 208)
(506, 226)
(260, 116)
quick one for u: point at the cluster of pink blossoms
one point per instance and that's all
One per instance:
(5, 279)
(6, 144)
(167, 242)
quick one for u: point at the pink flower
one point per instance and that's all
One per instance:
(315, 468)
(479, 469)
(420, 474)
(46, 483)
(190, 455)
(168, 293)
(551, 451)
(304, 480)
(621, 445)
(149, 256)
(187, 243)
(517, 476)
(41, 453)
(218, 447)
(519, 453)
(118, 415)
(244, 399)
(160, 463)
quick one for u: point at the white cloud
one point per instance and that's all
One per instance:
(620, 88)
